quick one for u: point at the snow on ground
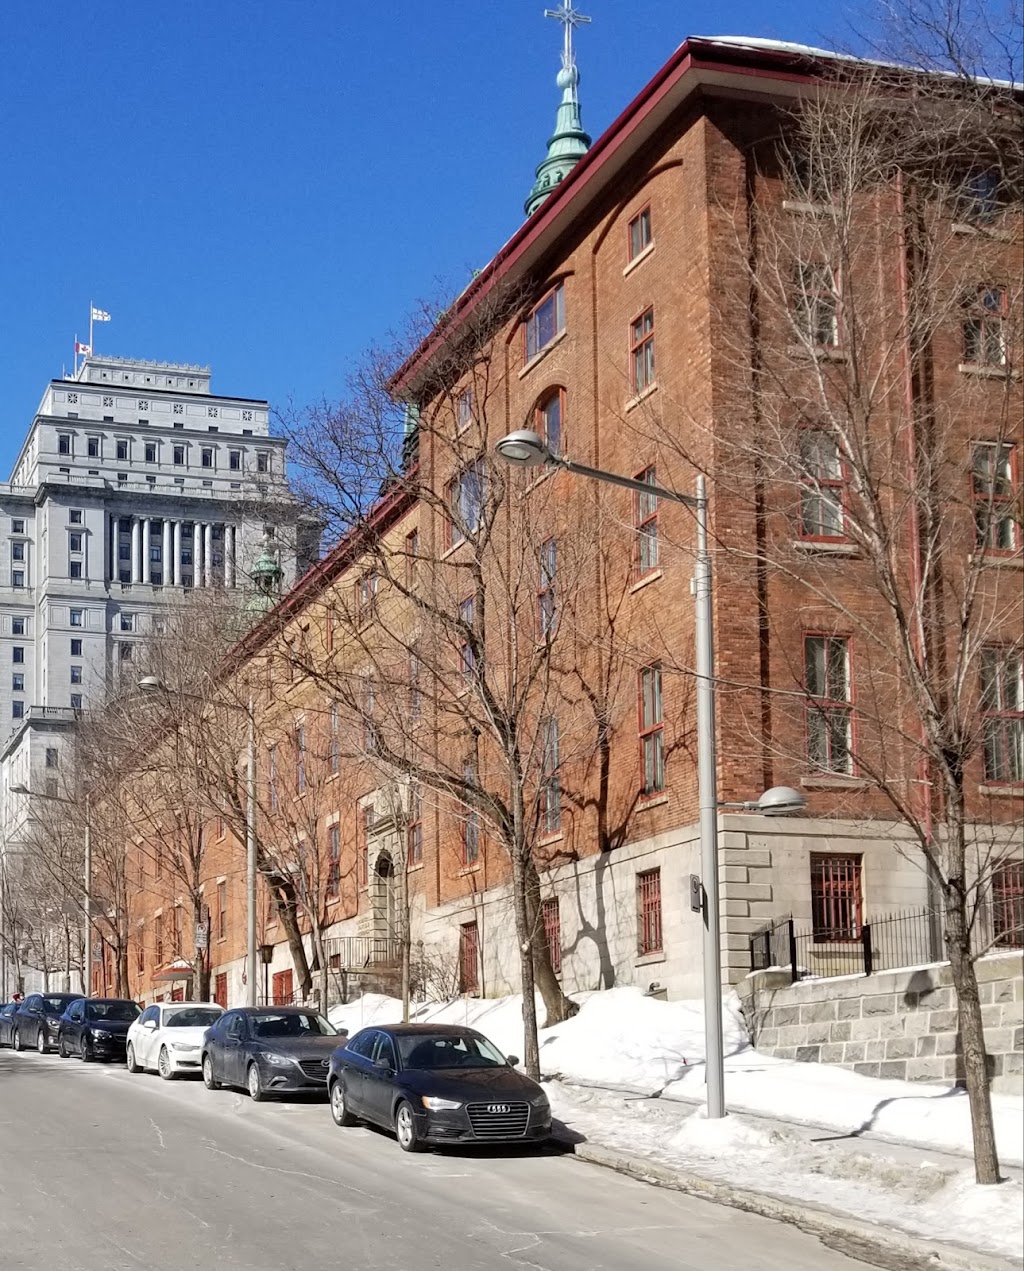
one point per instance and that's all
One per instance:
(622, 1039)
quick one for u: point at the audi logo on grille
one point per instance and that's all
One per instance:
(498, 1108)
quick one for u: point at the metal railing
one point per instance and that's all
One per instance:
(887, 943)
(362, 953)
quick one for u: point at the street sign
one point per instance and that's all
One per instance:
(696, 894)
(202, 935)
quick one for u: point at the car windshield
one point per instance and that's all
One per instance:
(115, 1012)
(56, 1005)
(448, 1050)
(192, 1017)
(292, 1024)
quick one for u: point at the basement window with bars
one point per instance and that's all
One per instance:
(648, 912)
(553, 931)
(469, 958)
(836, 898)
(1008, 905)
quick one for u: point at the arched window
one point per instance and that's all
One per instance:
(549, 419)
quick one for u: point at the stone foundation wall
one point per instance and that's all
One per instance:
(900, 1024)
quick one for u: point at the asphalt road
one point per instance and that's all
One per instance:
(102, 1171)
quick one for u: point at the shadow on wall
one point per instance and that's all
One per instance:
(596, 932)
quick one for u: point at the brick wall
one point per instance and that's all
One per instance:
(900, 1024)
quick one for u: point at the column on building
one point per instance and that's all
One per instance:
(198, 549)
(115, 538)
(147, 542)
(168, 565)
(174, 573)
(230, 559)
(208, 561)
(136, 550)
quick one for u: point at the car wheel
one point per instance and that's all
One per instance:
(41, 1045)
(164, 1066)
(129, 1059)
(62, 1047)
(16, 1042)
(88, 1054)
(209, 1080)
(339, 1108)
(405, 1129)
(254, 1082)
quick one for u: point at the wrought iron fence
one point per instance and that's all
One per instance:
(886, 943)
(362, 953)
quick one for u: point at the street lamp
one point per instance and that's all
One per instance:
(153, 684)
(21, 788)
(525, 449)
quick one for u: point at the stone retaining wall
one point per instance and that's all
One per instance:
(896, 1024)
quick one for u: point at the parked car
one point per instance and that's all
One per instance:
(96, 1028)
(168, 1037)
(36, 1020)
(269, 1050)
(6, 1023)
(435, 1084)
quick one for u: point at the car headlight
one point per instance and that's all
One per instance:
(540, 1100)
(272, 1058)
(184, 1046)
(434, 1104)
(101, 1035)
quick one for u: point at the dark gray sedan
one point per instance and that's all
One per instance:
(436, 1084)
(269, 1050)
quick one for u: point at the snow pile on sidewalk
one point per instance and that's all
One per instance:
(621, 1039)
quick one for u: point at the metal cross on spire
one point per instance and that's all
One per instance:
(570, 19)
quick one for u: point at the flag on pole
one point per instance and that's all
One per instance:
(98, 315)
(82, 349)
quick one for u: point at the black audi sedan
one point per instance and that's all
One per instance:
(269, 1050)
(96, 1028)
(435, 1084)
(36, 1020)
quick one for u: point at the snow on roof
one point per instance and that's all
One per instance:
(778, 46)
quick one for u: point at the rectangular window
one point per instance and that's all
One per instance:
(127, 621)
(76, 648)
(17, 551)
(93, 445)
(648, 912)
(76, 701)
(545, 322)
(551, 782)
(414, 827)
(652, 731)
(140, 953)
(1008, 904)
(469, 958)
(76, 674)
(75, 569)
(17, 578)
(179, 456)
(52, 757)
(17, 709)
(836, 904)
(366, 819)
(467, 655)
(75, 617)
(18, 654)
(125, 651)
(64, 443)
(645, 520)
(829, 711)
(17, 626)
(334, 740)
(17, 681)
(300, 758)
(470, 823)
(75, 542)
(547, 607)
(548, 420)
(17, 526)
(206, 457)
(262, 461)
(415, 684)
(553, 931)
(150, 452)
(641, 350)
(412, 553)
(235, 460)
(367, 589)
(1002, 708)
(222, 911)
(220, 989)
(369, 701)
(816, 305)
(994, 495)
(464, 410)
(272, 777)
(122, 450)
(333, 860)
(640, 235)
(465, 499)
(984, 326)
(822, 486)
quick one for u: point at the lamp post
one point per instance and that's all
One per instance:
(153, 683)
(87, 880)
(526, 449)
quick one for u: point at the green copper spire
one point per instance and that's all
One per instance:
(568, 143)
(266, 574)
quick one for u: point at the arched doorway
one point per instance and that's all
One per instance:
(385, 898)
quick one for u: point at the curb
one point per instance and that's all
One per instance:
(890, 1250)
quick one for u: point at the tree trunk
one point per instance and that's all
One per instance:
(531, 1046)
(557, 1007)
(122, 970)
(286, 903)
(972, 1033)
(201, 959)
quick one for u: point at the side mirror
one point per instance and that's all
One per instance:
(382, 1065)
(513, 1060)
(342, 1033)
(150, 1024)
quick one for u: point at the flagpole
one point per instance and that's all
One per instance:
(91, 312)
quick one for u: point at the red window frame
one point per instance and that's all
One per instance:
(414, 828)
(1008, 904)
(366, 820)
(220, 989)
(457, 503)
(995, 490)
(470, 823)
(412, 552)
(984, 326)
(414, 671)
(222, 911)
(552, 921)
(330, 619)
(367, 589)
(547, 604)
(553, 438)
(551, 782)
(469, 958)
(160, 939)
(1002, 713)
(837, 897)
(823, 710)
(272, 790)
(641, 350)
(639, 233)
(333, 887)
(651, 728)
(820, 487)
(334, 738)
(816, 304)
(467, 658)
(648, 912)
(532, 329)
(140, 953)
(464, 403)
(646, 549)
(300, 758)
(281, 988)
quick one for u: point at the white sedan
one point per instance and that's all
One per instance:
(168, 1037)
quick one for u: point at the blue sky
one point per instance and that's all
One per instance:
(267, 186)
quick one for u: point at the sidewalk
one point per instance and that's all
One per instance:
(897, 1204)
